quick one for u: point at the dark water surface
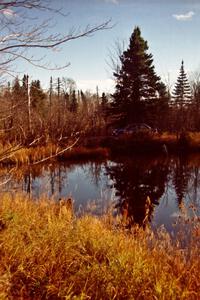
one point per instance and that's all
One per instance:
(171, 183)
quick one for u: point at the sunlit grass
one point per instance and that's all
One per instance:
(32, 155)
(46, 253)
(166, 137)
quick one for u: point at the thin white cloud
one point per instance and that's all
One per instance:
(184, 17)
(7, 12)
(112, 1)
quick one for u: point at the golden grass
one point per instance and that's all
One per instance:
(165, 137)
(194, 138)
(31, 155)
(45, 253)
(26, 156)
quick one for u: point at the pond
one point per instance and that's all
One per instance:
(123, 184)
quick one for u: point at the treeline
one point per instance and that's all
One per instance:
(58, 114)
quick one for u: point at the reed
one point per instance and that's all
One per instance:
(46, 253)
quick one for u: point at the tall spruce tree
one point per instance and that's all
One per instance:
(182, 92)
(137, 84)
(181, 101)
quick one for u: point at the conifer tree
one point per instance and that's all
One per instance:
(25, 86)
(182, 91)
(37, 95)
(181, 100)
(58, 87)
(136, 82)
(66, 101)
(74, 103)
(104, 105)
(50, 92)
(16, 89)
(84, 101)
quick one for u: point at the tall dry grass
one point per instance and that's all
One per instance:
(33, 155)
(46, 253)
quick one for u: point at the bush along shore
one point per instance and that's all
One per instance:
(48, 253)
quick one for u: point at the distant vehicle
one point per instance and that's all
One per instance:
(134, 128)
(118, 131)
(140, 127)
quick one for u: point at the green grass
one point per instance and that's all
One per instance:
(46, 253)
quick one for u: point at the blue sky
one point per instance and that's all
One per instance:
(170, 27)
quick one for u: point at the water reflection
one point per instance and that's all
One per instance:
(169, 183)
(181, 176)
(136, 180)
(128, 182)
(85, 182)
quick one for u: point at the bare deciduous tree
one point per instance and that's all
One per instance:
(114, 54)
(20, 31)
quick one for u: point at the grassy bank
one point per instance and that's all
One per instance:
(46, 253)
(34, 155)
(102, 147)
(153, 143)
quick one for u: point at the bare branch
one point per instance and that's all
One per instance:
(19, 32)
(53, 42)
(57, 153)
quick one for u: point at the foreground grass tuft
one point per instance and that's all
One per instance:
(46, 253)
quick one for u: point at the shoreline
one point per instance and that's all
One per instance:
(104, 147)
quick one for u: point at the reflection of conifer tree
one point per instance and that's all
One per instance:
(59, 180)
(195, 184)
(28, 182)
(52, 181)
(181, 178)
(134, 181)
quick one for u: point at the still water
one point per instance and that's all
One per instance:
(120, 183)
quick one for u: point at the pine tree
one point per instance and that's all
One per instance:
(25, 85)
(182, 91)
(37, 95)
(195, 109)
(50, 92)
(84, 101)
(136, 83)
(19, 93)
(58, 87)
(74, 103)
(181, 101)
(66, 101)
(104, 105)
(16, 89)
